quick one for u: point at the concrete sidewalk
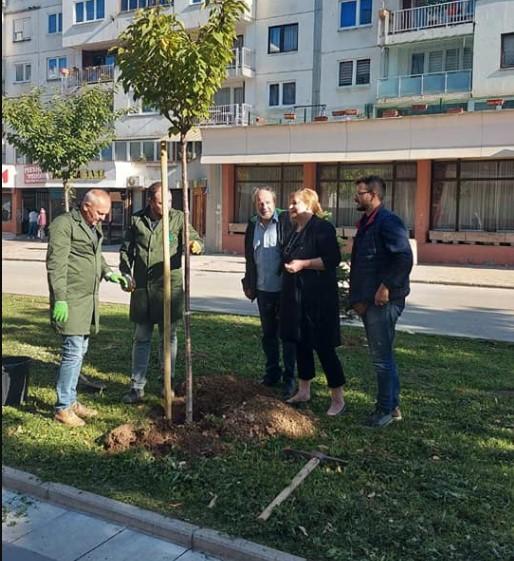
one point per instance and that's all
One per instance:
(36, 530)
(44, 521)
(487, 277)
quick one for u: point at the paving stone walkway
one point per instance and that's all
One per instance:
(34, 530)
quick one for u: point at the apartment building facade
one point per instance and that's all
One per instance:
(318, 93)
(418, 91)
(60, 46)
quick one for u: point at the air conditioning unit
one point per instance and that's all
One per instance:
(135, 181)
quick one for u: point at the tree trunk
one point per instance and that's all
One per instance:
(187, 287)
(66, 187)
(168, 391)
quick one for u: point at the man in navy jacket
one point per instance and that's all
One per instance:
(379, 282)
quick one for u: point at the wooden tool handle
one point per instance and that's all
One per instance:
(297, 480)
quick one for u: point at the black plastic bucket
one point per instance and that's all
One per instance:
(15, 379)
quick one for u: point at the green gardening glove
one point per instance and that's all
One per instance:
(119, 279)
(60, 312)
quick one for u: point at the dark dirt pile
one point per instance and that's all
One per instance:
(227, 408)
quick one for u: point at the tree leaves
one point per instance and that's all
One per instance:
(175, 70)
(64, 133)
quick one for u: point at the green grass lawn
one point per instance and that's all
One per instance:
(438, 486)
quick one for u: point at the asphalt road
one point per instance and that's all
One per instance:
(484, 313)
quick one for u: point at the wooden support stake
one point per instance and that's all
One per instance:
(168, 394)
(310, 466)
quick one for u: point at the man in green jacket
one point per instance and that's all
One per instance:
(141, 258)
(75, 267)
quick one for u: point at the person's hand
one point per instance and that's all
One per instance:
(360, 308)
(195, 247)
(60, 311)
(119, 279)
(249, 293)
(295, 266)
(382, 296)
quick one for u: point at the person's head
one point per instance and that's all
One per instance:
(370, 192)
(304, 201)
(42, 210)
(95, 206)
(155, 199)
(265, 202)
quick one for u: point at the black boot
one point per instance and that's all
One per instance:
(289, 387)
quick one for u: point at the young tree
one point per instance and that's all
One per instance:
(62, 134)
(178, 71)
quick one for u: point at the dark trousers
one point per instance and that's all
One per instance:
(329, 361)
(269, 304)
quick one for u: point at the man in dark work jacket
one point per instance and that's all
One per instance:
(264, 238)
(379, 282)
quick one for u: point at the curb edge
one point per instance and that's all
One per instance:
(182, 533)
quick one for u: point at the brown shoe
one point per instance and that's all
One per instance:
(83, 411)
(396, 414)
(69, 418)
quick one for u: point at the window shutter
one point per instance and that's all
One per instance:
(346, 73)
(452, 60)
(435, 61)
(363, 71)
(467, 58)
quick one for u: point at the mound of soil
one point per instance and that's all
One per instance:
(226, 407)
(265, 417)
(214, 395)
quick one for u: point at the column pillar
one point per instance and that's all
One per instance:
(309, 176)
(422, 205)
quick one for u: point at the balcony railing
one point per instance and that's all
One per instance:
(243, 62)
(425, 84)
(234, 115)
(75, 77)
(427, 17)
(93, 74)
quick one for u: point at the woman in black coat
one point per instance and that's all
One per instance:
(309, 304)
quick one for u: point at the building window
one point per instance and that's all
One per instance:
(6, 207)
(473, 196)
(283, 179)
(54, 66)
(139, 107)
(337, 185)
(23, 72)
(507, 56)
(283, 38)
(90, 10)
(106, 154)
(354, 72)
(120, 151)
(55, 23)
(22, 30)
(128, 5)
(355, 13)
(282, 93)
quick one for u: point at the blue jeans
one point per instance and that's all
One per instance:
(74, 349)
(380, 323)
(32, 233)
(141, 347)
(269, 303)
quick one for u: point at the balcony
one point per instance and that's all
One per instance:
(234, 115)
(436, 83)
(95, 74)
(76, 77)
(429, 22)
(242, 64)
